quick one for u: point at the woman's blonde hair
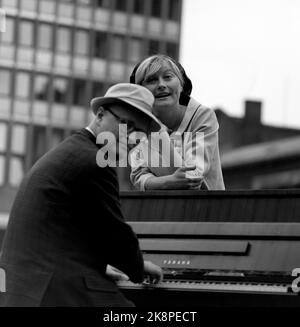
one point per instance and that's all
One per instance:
(153, 64)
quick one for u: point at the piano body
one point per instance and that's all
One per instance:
(230, 249)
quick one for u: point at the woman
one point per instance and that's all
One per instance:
(181, 115)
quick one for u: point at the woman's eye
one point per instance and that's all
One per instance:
(150, 80)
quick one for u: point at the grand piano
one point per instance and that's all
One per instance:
(223, 248)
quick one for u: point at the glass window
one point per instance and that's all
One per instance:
(103, 3)
(57, 136)
(18, 141)
(22, 85)
(26, 33)
(153, 47)
(16, 171)
(156, 9)
(47, 6)
(173, 13)
(3, 136)
(5, 84)
(135, 50)
(98, 89)
(28, 5)
(63, 39)
(9, 35)
(79, 92)
(172, 50)
(38, 142)
(45, 32)
(117, 47)
(81, 45)
(121, 5)
(41, 87)
(60, 90)
(84, 2)
(2, 169)
(138, 6)
(9, 3)
(100, 46)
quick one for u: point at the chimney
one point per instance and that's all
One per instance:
(252, 112)
(251, 126)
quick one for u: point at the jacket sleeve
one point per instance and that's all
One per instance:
(113, 237)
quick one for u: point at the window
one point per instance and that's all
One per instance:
(135, 50)
(16, 171)
(2, 169)
(81, 44)
(173, 13)
(79, 92)
(41, 87)
(47, 6)
(117, 47)
(60, 90)
(156, 8)
(5, 85)
(39, 144)
(28, 5)
(57, 136)
(22, 85)
(18, 140)
(63, 39)
(18, 150)
(9, 3)
(45, 33)
(100, 46)
(26, 36)
(121, 5)
(3, 136)
(82, 2)
(9, 35)
(138, 6)
(172, 50)
(103, 3)
(98, 89)
(153, 47)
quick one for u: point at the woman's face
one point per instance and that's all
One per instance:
(165, 86)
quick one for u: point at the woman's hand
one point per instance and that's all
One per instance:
(178, 180)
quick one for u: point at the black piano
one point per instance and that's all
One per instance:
(233, 248)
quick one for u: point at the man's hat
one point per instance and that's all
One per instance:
(137, 96)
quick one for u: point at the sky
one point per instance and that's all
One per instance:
(237, 50)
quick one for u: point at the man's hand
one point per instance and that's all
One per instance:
(115, 273)
(153, 272)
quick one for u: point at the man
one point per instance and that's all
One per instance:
(66, 224)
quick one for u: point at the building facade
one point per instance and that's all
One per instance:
(58, 54)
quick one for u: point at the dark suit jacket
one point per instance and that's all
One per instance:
(65, 226)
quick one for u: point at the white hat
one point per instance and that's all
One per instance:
(136, 96)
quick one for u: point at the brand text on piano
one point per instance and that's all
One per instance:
(296, 281)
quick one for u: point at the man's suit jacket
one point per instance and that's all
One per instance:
(65, 226)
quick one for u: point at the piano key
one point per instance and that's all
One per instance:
(210, 286)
